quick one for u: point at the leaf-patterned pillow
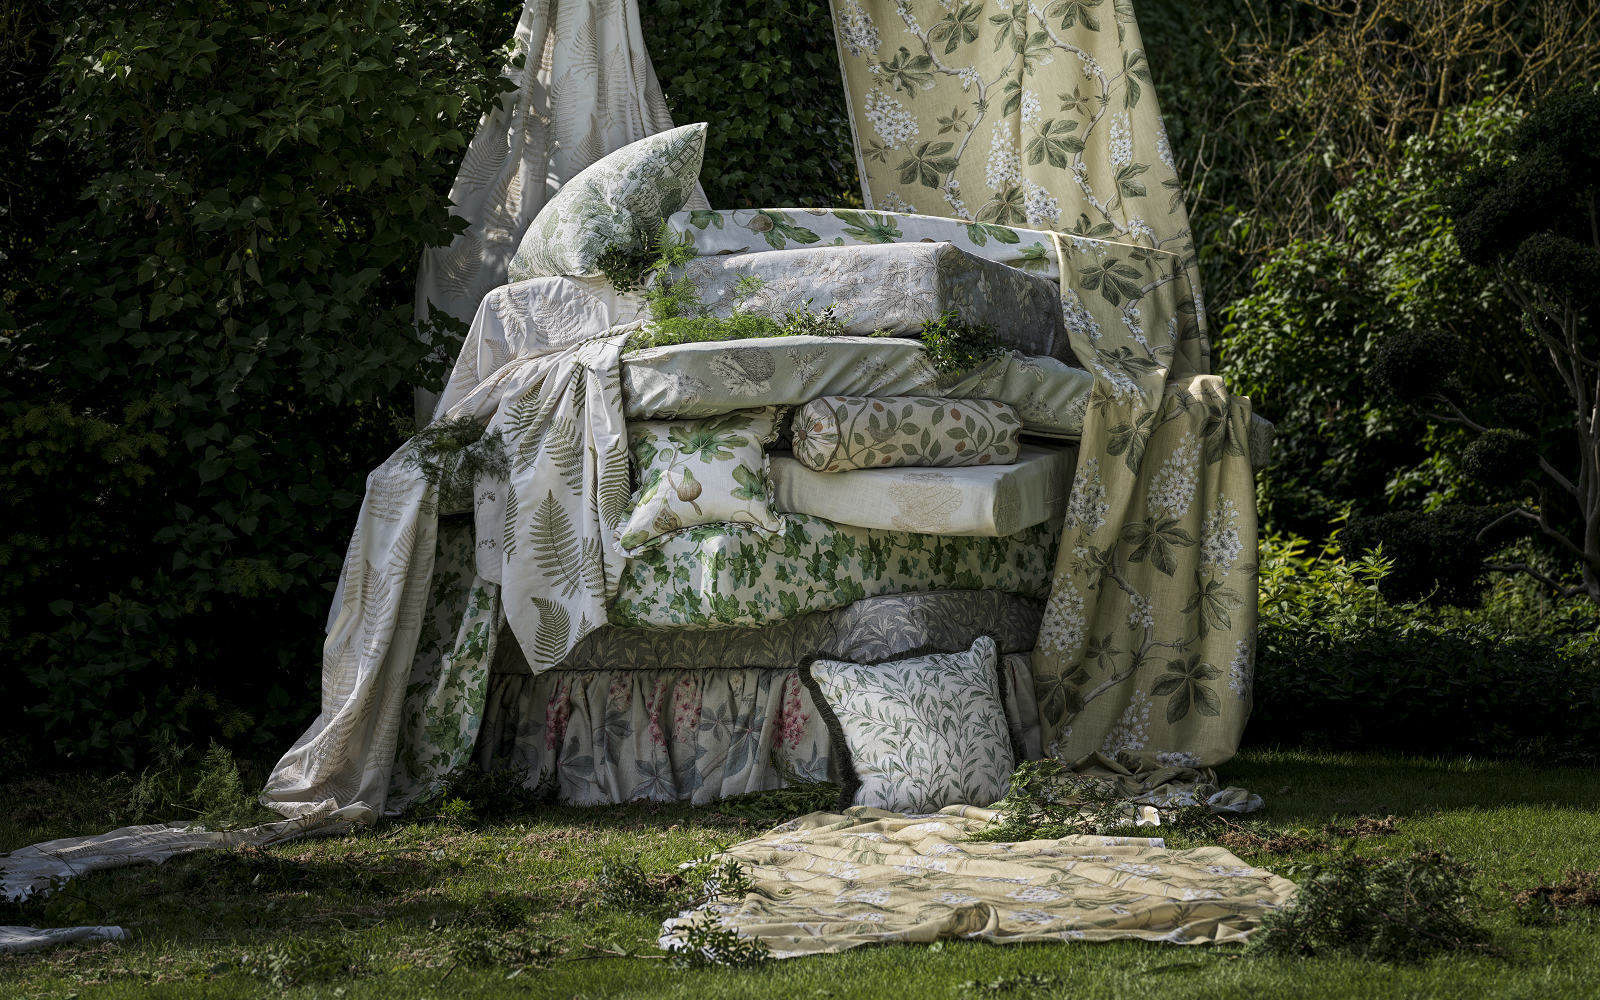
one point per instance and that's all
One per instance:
(617, 199)
(694, 472)
(918, 733)
(840, 433)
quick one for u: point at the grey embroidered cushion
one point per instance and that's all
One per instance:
(694, 472)
(617, 199)
(919, 733)
(839, 433)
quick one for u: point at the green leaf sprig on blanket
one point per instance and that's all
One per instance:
(453, 455)
(952, 345)
(1047, 801)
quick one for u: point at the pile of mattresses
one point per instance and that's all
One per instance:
(797, 497)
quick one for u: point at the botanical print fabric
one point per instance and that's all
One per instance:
(450, 672)
(990, 500)
(344, 760)
(705, 379)
(619, 200)
(924, 732)
(694, 472)
(719, 576)
(759, 230)
(616, 735)
(1039, 115)
(873, 628)
(585, 87)
(894, 288)
(828, 883)
(840, 433)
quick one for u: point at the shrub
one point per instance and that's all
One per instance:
(1401, 910)
(1436, 556)
(208, 357)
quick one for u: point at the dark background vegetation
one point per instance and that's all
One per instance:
(205, 337)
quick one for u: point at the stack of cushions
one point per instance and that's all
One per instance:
(920, 732)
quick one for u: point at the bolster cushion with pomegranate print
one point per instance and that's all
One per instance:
(840, 433)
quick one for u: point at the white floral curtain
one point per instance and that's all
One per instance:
(1044, 116)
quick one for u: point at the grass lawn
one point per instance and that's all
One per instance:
(432, 911)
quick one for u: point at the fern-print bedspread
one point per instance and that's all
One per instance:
(724, 576)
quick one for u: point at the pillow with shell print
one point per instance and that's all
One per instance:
(840, 433)
(694, 472)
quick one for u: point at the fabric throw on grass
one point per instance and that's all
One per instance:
(830, 882)
(19, 939)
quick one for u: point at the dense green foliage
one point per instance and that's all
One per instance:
(1338, 665)
(765, 75)
(215, 347)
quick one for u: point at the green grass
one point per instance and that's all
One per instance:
(401, 904)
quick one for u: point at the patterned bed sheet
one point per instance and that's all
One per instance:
(726, 576)
(705, 379)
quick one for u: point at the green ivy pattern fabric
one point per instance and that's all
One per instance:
(617, 200)
(705, 379)
(924, 732)
(829, 883)
(1039, 115)
(694, 472)
(443, 706)
(895, 288)
(840, 433)
(726, 577)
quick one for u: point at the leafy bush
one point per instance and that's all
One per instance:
(765, 75)
(208, 356)
(1401, 910)
(1436, 556)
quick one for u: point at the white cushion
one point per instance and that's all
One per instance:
(994, 500)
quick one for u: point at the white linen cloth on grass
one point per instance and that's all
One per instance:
(20, 939)
(32, 869)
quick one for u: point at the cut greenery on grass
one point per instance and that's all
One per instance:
(539, 900)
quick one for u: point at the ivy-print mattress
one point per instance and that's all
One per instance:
(895, 288)
(705, 379)
(725, 576)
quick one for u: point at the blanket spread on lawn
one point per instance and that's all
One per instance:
(828, 883)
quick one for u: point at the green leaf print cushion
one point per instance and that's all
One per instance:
(840, 433)
(694, 472)
(617, 199)
(920, 732)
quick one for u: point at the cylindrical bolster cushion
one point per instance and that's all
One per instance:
(839, 433)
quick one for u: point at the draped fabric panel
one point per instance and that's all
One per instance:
(585, 88)
(1038, 115)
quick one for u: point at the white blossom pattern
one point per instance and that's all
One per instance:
(1005, 162)
(1120, 140)
(1242, 671)
(1087, 506)
(1131, 730)
(890, 119)
(1040, 207)
(856, 30)
(1178, 758)
(1062, 630)
(1172, 489)
(1219, 538)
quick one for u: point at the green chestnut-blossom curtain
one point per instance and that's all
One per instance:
(1043, 115)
